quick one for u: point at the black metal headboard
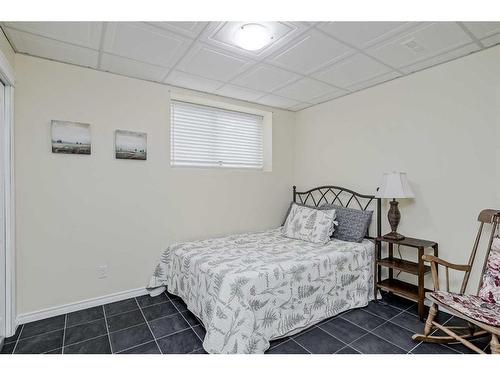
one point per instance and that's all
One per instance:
(318, 196)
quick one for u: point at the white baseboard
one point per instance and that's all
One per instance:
(75, 306)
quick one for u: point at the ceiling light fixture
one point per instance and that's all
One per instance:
(252, 36)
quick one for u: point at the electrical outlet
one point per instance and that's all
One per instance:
(102, 272)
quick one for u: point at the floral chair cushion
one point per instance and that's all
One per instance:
(472, 306)
(490, 286)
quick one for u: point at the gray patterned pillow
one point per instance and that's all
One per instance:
(352, 224)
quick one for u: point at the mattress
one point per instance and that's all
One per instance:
(250, 288)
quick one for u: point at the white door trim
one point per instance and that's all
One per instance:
(10, 218)
(7, 77)
(6, 70)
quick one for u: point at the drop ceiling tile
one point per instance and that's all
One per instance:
(459, 52)
(189, 81)
(305, 90)
(483, 29)
(85, 34)
(146, 43)
(237, 92)
(352, 70)
(222, 35)
(189, 29)
(149, 50)
(265, 78)
(364, 34)
(428, 41)
(330, 96)
(374, 81)
(491, 41)
(209, 62)
(277, 101)
(132, 68)
(310, 52)
(300, 107)
(52, 49)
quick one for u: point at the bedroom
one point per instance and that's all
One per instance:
(151, 167)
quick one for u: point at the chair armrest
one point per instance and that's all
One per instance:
(458, 267)
(435, 261)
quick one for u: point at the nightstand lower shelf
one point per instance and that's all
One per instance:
(401, 288)
(403, 265)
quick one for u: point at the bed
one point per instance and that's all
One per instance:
(248, 289)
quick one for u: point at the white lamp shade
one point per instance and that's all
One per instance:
(395, 185)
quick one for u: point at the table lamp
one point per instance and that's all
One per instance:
(394, 185)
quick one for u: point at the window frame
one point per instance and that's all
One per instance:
(267, 117)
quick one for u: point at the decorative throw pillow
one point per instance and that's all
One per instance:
(309, 224)
(352, 224)
(490, 287)
(290, 207)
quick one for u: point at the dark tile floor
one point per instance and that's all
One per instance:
(146, 325)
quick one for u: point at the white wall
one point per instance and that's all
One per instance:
(441, 126)
(75, 213)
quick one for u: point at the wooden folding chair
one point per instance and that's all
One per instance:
(481, 311)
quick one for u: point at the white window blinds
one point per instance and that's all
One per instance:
(207, 136)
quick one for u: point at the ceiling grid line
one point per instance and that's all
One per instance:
(407, 67)
(101, 44)
(358, 50)
(49, 38)
(185, 53)
(470, 34)
(7, 37)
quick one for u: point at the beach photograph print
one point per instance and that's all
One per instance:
(70, 137)
(130, 145)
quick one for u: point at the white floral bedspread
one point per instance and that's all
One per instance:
(250, 288)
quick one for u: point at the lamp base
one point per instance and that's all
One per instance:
(394, 236)
(394, 216)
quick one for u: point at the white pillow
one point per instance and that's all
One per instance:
(309, 224)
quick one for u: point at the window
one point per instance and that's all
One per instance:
(206, 136)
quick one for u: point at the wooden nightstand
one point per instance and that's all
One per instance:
(406, 290)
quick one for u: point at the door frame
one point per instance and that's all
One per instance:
(7, 77)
